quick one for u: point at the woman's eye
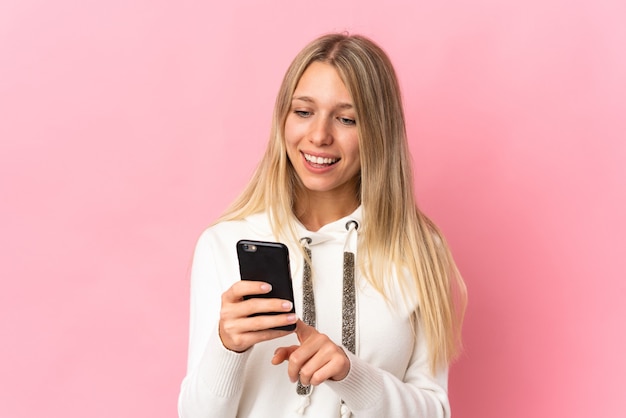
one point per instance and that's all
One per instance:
(347, 121)
(302, 113)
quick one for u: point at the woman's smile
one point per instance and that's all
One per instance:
(319, 161)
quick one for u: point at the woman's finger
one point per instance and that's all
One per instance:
(316, 360)
(253, 306)
(243, 288)
(282, 353)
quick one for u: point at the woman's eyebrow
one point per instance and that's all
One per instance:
(304, 99)
(310, 100)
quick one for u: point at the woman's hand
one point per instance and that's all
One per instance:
(315, 360)
(238, 331)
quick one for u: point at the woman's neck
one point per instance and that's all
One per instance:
(316, 210)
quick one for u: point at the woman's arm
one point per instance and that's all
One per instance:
(368, 391)
(371, 392)
(222, 333)
(212, 386)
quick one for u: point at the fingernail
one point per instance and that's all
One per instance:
(287, 305)
(291, 317)
(266, 287)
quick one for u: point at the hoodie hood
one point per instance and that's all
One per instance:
(336, 230)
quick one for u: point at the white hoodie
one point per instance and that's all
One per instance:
(389, 375)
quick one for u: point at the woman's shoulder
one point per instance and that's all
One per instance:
(254, 226)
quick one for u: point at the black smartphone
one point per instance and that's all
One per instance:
(267, 262)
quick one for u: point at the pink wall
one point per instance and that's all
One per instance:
(126, 127)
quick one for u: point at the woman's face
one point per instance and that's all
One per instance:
(321, 133)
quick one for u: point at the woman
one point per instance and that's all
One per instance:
(373, 278)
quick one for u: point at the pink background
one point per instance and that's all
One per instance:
(127, 126)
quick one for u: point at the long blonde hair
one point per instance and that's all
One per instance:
(393, 229)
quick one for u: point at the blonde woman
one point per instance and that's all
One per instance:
(380, 295)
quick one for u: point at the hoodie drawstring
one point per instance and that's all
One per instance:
(308, 311)
(348, 311)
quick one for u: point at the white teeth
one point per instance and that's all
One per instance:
(320, 160)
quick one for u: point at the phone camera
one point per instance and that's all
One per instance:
(249, 247)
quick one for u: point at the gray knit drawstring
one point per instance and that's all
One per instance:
(348, 311)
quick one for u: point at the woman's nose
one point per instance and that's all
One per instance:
(321, 132)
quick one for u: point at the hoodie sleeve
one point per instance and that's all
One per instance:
(212, 386)
(370, 392)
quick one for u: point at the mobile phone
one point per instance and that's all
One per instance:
(267, 262)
